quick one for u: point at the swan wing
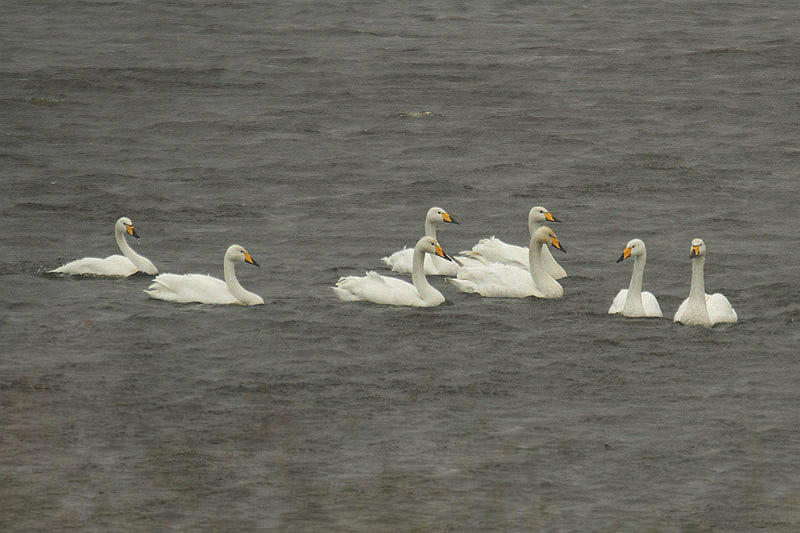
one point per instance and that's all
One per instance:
(651, 307)
(403, 261)
(496, 280)
(619, 302)
(720, 309)
(112, 266)
(493, 250)
(378, 289)
(190, 288)
(400, 261)
(679, 314)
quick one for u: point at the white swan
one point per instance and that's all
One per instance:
(493, 250)
(205, 289)
(701, 309)
(402, 262)
(634, 302)
(511, 281)
(392, 291)
(118, 266)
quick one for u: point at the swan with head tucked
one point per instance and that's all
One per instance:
(117, 266)
(402, 262)
(701, 309)
(500, 280)
(493, 250)
(392, 291)
(633, 302)
(205, 289)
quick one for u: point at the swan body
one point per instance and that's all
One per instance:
(493, 250)
(402, 261)
(499, 280)
(392, 291)
(633, 302)
(116, 266)
(205, 289)
(701, 309)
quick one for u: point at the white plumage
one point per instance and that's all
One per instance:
(701, 309)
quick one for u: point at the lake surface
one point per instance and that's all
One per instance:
(317, 134)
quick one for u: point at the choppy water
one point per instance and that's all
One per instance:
(317, 134)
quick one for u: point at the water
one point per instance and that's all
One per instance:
(317, 135)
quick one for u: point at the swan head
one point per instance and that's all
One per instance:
(124, 224)
(545, 235)
(635, 248)
(429, 245)
(539, 215)
(437, 215)
(698, 248)
(238, 254)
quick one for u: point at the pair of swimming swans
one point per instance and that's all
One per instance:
(699, 309)
(170, 287)
(402, 262)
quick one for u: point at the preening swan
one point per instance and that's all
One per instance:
(205, 289)
(402, 261)
(392, 291)
(493, 250)
(701, 309)
(117, 266)
(511, 281)
(633, 302)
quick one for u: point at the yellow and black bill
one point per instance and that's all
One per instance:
(626, 253)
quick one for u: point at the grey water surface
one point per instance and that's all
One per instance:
(317, 134)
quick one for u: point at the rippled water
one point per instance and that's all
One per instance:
(317, 135)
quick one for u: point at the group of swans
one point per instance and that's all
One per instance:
(493, 268)
(183, 288)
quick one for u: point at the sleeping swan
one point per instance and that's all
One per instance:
(701, 309)
(205, 289)
(633, 302)
(510, 281)
(392, 291)
(493, 250)
(402, 261)
(117, 266)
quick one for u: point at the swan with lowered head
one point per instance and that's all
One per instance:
(402, 262)
(500, 280)
(116, 266)
(392, 291)
(493, 250)
(633, 302)
(701, 309)
(204, 289)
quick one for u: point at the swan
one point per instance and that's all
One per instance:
(206, 289)
(118, 266)
(512, 281)
(402, 261)
(392, 291)
(493, 250)
(701, 309)
(633, 302)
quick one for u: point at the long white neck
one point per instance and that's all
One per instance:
(430, 229)
(236, 290)
(696, 309)
(418, 275)
(141, 263)
(633, 303)
(544, 281)
(697, 292)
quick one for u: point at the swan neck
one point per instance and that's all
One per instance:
(635, 287)
(538, 272)
(236, 290)
(418, 273)
(697, 292)
(125, 248)
(430, 229)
